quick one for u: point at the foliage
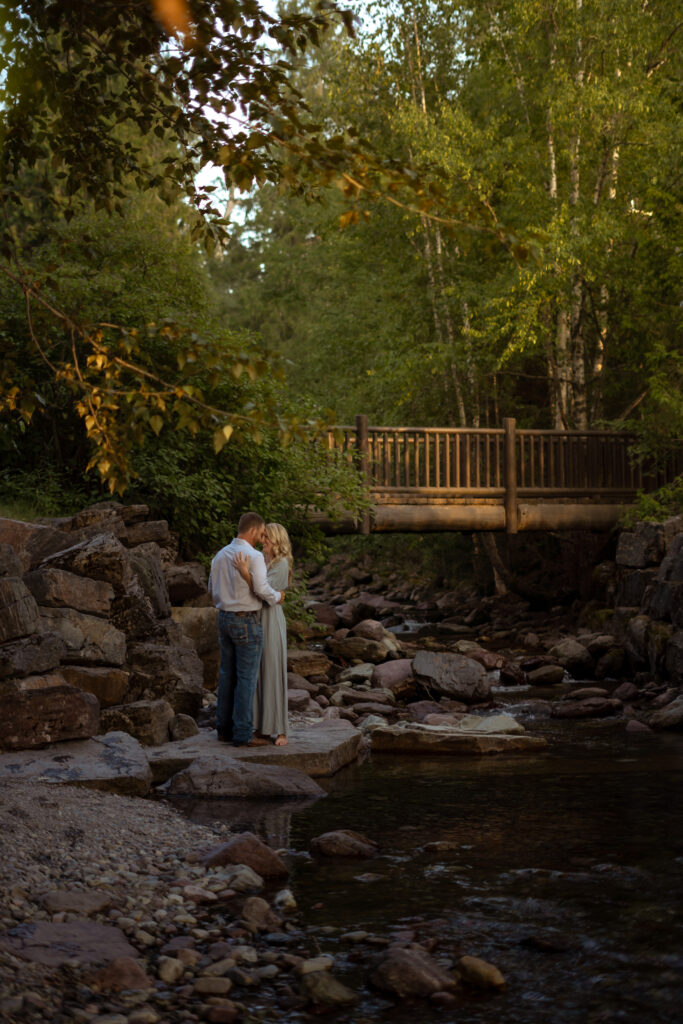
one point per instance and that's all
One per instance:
(656, 507)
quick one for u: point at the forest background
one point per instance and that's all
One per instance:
(484, 221)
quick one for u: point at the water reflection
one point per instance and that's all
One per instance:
(269, 819)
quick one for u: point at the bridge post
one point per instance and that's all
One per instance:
(510, 474)
(363, 450)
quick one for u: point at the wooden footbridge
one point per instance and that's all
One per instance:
(507, 479)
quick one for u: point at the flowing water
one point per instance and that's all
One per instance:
(564, 869)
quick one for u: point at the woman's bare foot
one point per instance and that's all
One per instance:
(281, 740)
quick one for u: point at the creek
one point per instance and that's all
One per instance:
(563, 869)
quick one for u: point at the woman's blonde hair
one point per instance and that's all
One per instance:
(281, 545)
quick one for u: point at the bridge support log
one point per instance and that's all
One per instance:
(510, 474)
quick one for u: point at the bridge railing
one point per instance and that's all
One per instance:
(494, 462)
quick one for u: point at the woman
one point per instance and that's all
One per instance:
(270, 701)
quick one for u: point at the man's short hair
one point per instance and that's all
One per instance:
(248, 521)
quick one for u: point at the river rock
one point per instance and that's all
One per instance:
(413, 738)
(258, 916)
(100, 558)
(669, 717)
(19, 613)
(512, 675)
(44, 710)
(357, 673)
(147, 720)
(122, 974)
(592, 707)
(230, 777)
(322, 989)
(503, 724)
(76, 901)
(411, 972)
(170, 672)
(343, 843)
(371, 629)
(326, 614)
(307, 663)
(298, 700)
(248, 849)
(108, 683)
(181, 727)
(52, 943)
(453, 675)
(31, 655)
(546, 675)
(479, 973)
(115, 763)
(396, 676)
(626, 692)
(574, 657)
(185, 582)
(296, 682)
(358, 647)
(88, 638)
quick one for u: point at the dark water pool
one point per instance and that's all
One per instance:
(564, 869)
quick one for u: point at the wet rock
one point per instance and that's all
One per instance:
(19, 614)
(31, 655)
(247, 849)
(48, 712)
(411, 972)
(453, 675)
(512, 675)
(223, 776)
(584, 692)
(546, 675)
(53, 943)
(307, 663)
(106, 682)
(185, 582)
(88, 638)
(114, 763)
(480, 974)
(636, 728)
(669, 717)
(413, 738)
(592, 707)
(574, 657)
(627, 691)
(147, 720)
(322, 989)
(343, 843)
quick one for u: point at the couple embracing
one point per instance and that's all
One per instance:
(248, 591)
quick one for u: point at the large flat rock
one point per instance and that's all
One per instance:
(231, 778)
(424, 739)
(53, 943)
(115, 763)
(319, 750)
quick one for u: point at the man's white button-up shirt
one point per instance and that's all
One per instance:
(229, 592)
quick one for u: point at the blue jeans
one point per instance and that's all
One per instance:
(241, 640)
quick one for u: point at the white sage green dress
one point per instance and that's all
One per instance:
(270, 699)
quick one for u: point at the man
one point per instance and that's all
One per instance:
(239, 631)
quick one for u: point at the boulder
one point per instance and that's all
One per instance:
(19, 613)
(574, 657)
(396, 676)
(123, 974)
(200, 626)
(546, 675)
(76, 901)
(223, 776)
(665, 601)
(370, 629)
(411, 972)
(298, 700)
(44, 710)
(108, 683)
(413, 738)
(99, 558)
(590, 707)
(173, 673)
(504, 725)
(361, 673)
(257, 915)
(358, 647)
(147, 720)
(114, 763)
(88, 638)
(296, 682)
(343, 843)
(32, 542)
(670, 717)
(30, 655)
(132, 612)
(248, 849)
(145, 562)
(611, 664)
(153, 531)
(10, 564)
(57, 588)
(642, 546)
(185, 582)
(182, 726)
(453, 675)
(326, 614)
(307, 663)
